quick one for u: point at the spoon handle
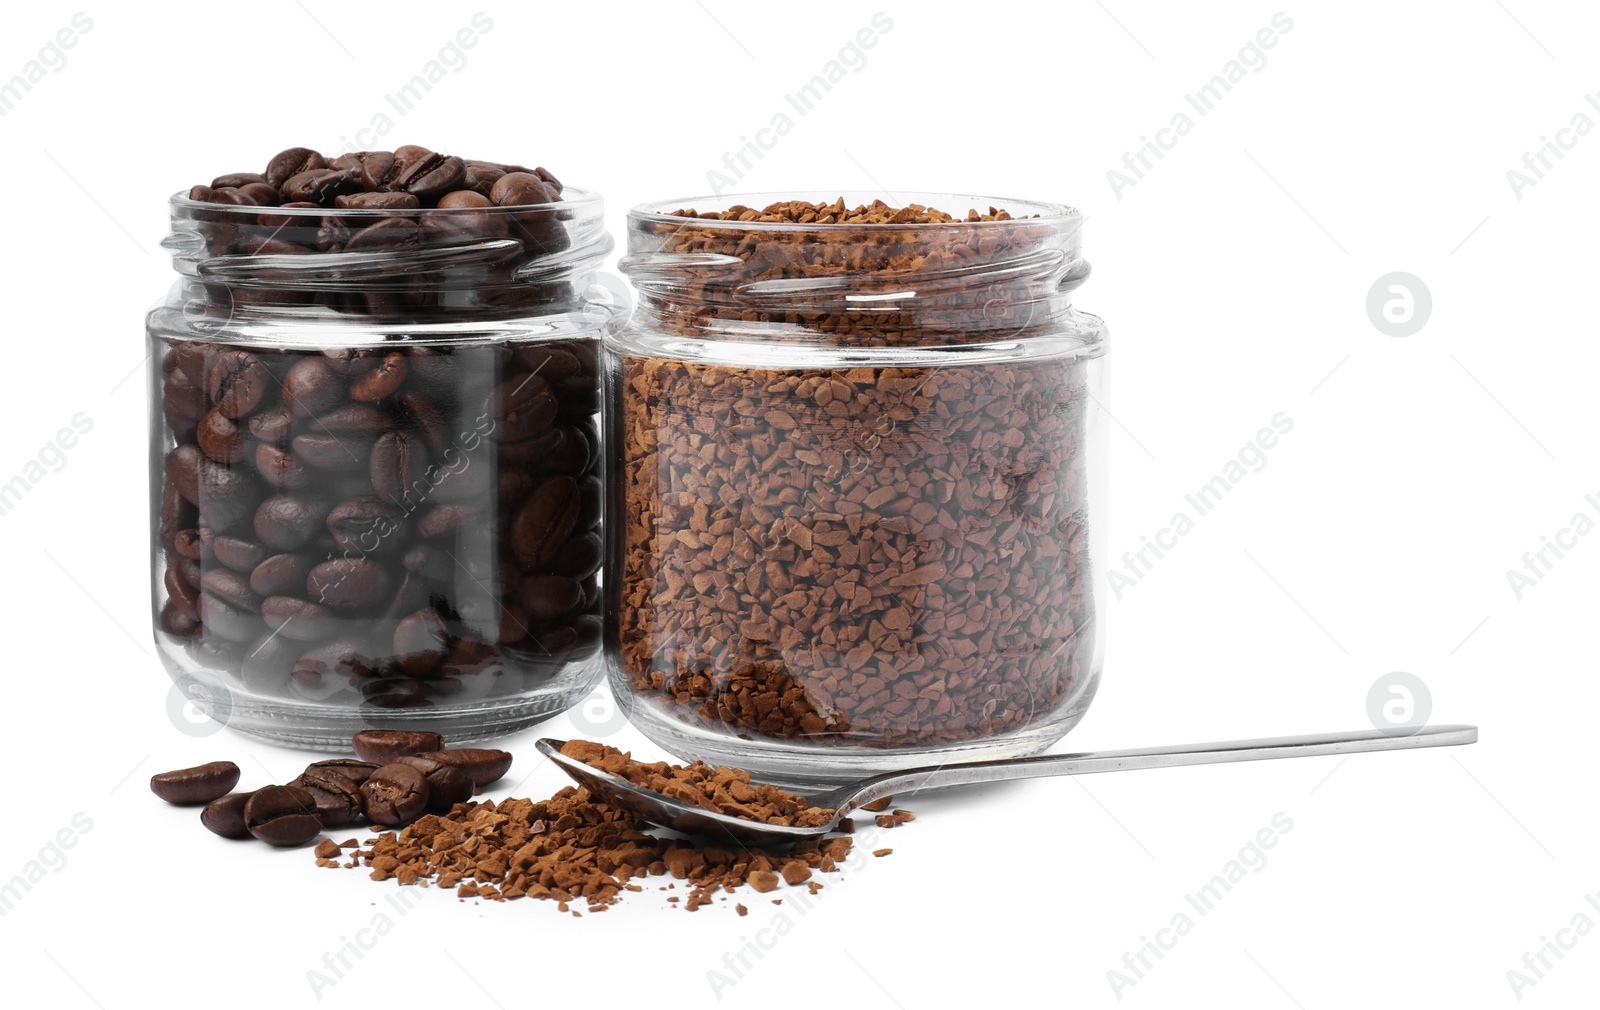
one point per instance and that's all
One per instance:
(1089, 762)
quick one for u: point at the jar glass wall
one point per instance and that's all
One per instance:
(376, 466)
(857, 480)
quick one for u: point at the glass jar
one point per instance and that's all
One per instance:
(376, 472)
(856, 478)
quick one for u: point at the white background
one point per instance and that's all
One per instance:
(1234, 277)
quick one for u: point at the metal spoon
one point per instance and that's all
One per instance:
(680, 816)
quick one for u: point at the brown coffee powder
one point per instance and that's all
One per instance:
(573, 848)
(724, 790)
(874, 556)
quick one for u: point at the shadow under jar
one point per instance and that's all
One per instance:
(856, 478)
(376, 467)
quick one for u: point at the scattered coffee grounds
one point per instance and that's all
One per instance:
(895, 819)
(573, 848)
(724, 790)
(862, 556)
(881, 852)
(200, 784)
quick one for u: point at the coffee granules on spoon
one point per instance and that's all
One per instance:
(721, 789)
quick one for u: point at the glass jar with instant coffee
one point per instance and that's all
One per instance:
(856, 482)
(375, 456)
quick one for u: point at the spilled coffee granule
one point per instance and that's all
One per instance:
(575, 849)
(867, 556)
(724, 790)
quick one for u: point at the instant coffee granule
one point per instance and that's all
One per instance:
(573, 848)
(724, 790)
(866, 556)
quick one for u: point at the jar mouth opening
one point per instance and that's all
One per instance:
(1027, 213)
(575, 201)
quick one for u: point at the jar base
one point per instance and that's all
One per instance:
(815, 768)
(310, 726)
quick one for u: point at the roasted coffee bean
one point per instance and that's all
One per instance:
(222, 439)
(280, 575)
(382, 381)
(292, 162)
(338, 799)
(233, 180)
(232, 588)
(580, 558)
(431, 176)
(332, 452)
(260, 194)
(547, 597)
(549, 180)
(394, 794)
(429, 562)
(526, 407)
(311, 388)
(200, 784)
(541, 527)
(295, 618)
(349, 660)
(483, 766)
(319, 185)
(364, 525)
(354, 769)
(183, 471)
(447, 785)
(280, 468)
(386, 234)
(443, 520)
(426, 417)
(285, 522)
(240, 555)
(225, 816)
(273, 427)
(520, 188)
(421, 642)
(378, 170)
(282, 815)
(348, 584)
(226, 621)
(357, 419)
(226, 495)
(377, 201)
(189, 544)
(398, 463)
(464, 199)
(237, 382)
(386, 746)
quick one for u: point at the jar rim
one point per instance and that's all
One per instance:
(579, 200)
(1024, 212)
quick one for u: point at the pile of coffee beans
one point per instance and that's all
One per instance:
(863, 556)
(382, 525)
(381, 217)
(419, 774)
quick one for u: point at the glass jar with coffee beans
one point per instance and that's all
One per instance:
(374, 447)
(856, 482)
